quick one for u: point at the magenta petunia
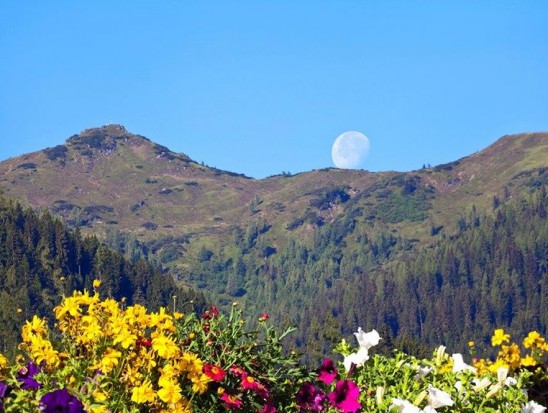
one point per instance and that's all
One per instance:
(327, 371)
(310, 398)
(345, 396)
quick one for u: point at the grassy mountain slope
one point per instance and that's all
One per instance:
(322, 232)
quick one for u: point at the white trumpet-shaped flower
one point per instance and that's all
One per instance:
(367, 340)
(404, 406)
(460, 365)
(422, 371)
(438, 398)
(480, 385)
(533, 407)
(359, 358)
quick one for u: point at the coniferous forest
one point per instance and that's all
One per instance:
(490, 273)
(41, 260)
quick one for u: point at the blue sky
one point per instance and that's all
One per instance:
(260, 87)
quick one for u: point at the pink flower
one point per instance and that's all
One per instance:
(345, 396)
(309, 398)
(231, 401)
(327, 371)
(268, 408)
(214, 372)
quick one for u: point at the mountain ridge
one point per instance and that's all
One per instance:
(338, 236)
(128, 182)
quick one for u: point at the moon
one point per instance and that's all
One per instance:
(350, 150)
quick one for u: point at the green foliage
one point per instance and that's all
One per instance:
(40, 260)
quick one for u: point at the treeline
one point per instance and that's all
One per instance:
(491, 273)
(40, 260)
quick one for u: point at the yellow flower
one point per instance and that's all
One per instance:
(511, 355)
(533, 340)
(96, 283)
(165, 347)
(109, 361)
(42, 351)
(126, 338)
(471, 344)
(528, 361)
(493, 368)
(499, 337)
(170, 391)
(199, 383)
(70, 305)
(3, 362)
(33, 328)
(143, 393)
(99, 396)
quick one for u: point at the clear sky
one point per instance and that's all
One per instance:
(260, 87)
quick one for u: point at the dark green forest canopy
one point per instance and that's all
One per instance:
(490, 273)
(40, 260)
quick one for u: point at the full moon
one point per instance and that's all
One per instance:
(350, 150)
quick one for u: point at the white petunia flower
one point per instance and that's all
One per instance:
(422, 371)
(367, 340)
(359, 358)
(460, 365)
(480, 385)
(533, 407)
(404, 406)
(502, 373)
(438, 398)
(440, 353)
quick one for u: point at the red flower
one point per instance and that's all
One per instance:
(214, 373)
(145, 342)
(327, 371)
(345, 396)
(211, 313)
(231, 401)
(249, 382)
(264, 317)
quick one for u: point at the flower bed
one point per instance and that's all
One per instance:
(105, 357)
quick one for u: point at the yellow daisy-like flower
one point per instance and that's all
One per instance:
(96, 283)
(70, 305)
(143, 393)
(199, 383)
(35, 327)
(510, 355)
(499, 337)
(533, 339)
(100, 396)
(109, 361)
(126, 338)
(3, 362)
(170, 391)
(528, 361)
(165, 347)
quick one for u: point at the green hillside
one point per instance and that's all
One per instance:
(327, 250)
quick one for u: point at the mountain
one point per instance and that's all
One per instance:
(283, 242)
